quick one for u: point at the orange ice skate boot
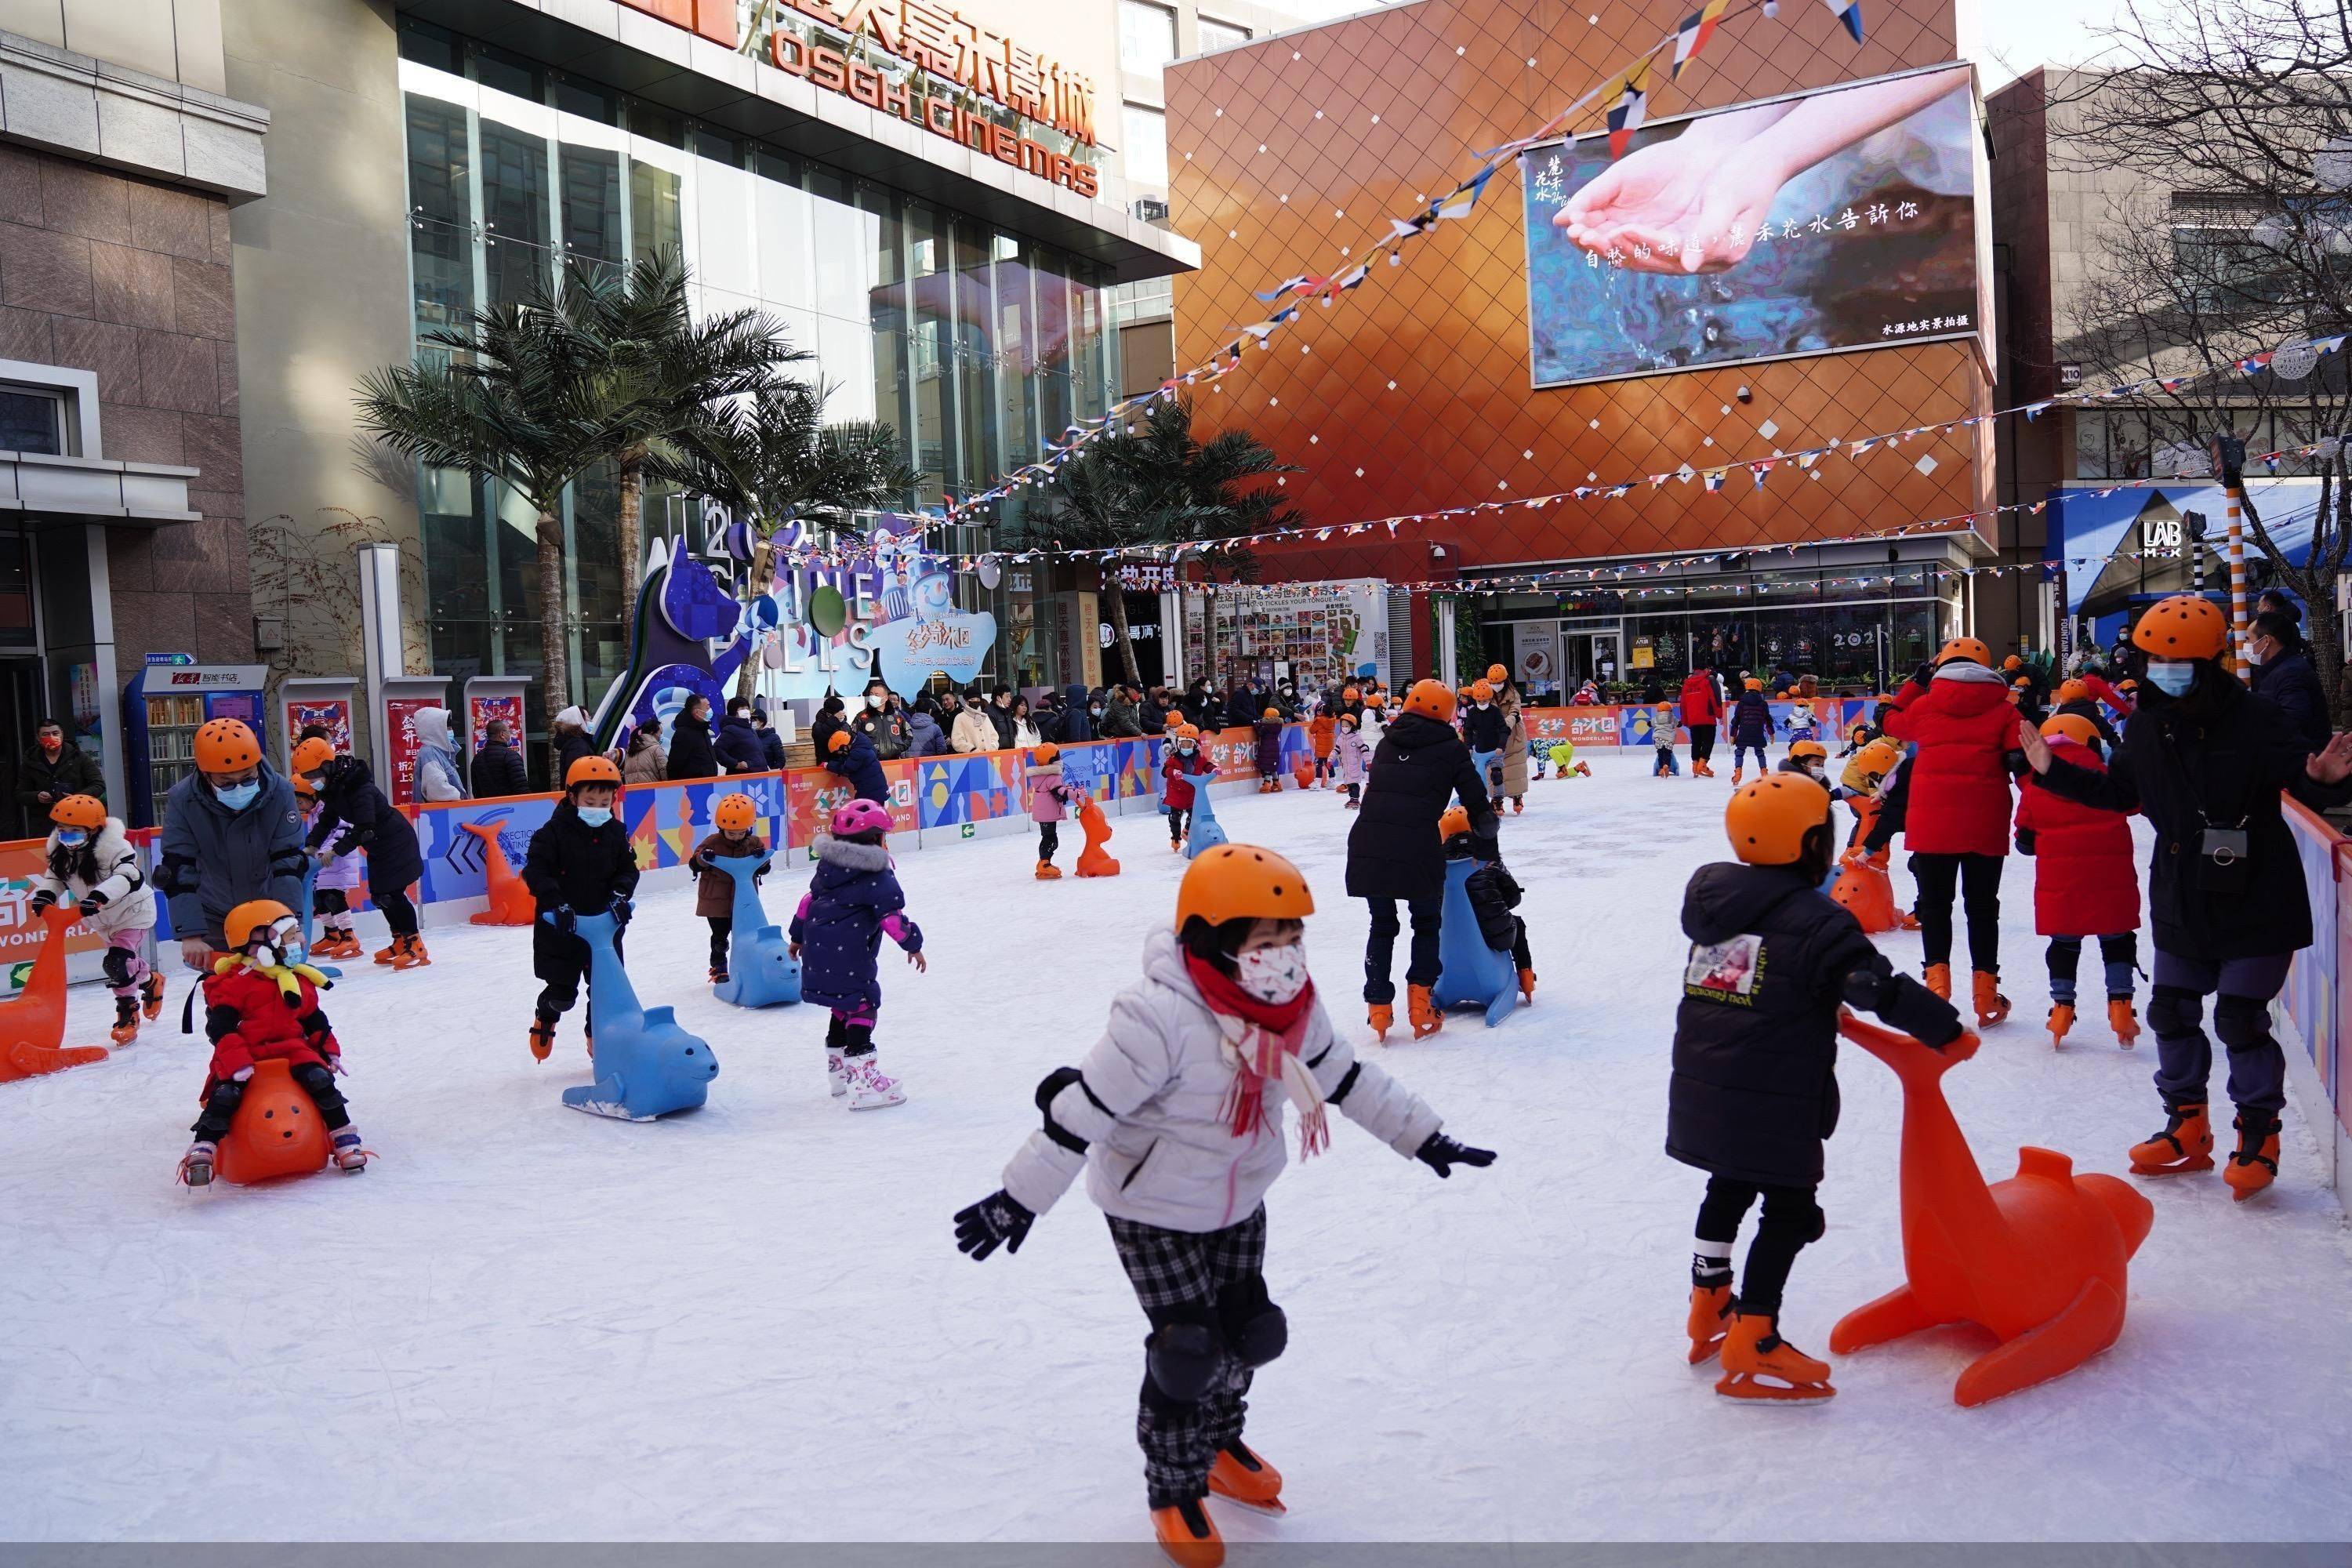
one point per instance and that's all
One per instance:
(1710, 1319)
(2185, 1146)
(2062, 1019)
(1939, 979)
(1990, 1004)
(1758, 1364)
(1426, 1019)
(1239, 1476)
(2253, 1165)
(1383, 1018)
(1188, 1535)
(2123, 1020)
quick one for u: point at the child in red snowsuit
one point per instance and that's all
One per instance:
(2085, 882)
(262, 1002)
(1185, 762)
(1958, 713)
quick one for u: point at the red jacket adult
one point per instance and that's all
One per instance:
(2086, 878)
(1701, 705)
(1964, 726)
(249, 1019)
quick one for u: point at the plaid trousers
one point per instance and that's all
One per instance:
(1216, 1277)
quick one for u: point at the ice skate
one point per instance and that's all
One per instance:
(1737, 769)
(2123, 1021)
(869, 1089)
(151, 997)
(1710, 1319)
(2062, 1019)
(196, 1164)
(1353, 804)
(1048, 872)
(126, 1021)
(408, 952)
(1527, 984)
(1188, 1536)
(2254, 1164)
(1990, 1004)
(1518, 806)
(1383, 1018)
(387, 954)
(542, 1038)
(1753, 1350)
(836, 1071)
(718, 975)
(1937, 977)
(2184, 1147)
(1904, 920)
(350, 1158)
(1239, 1476)
(1426, 1019)
(1700, 770)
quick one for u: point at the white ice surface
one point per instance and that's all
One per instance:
(752, 1322)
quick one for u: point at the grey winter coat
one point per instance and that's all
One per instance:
(214, 859)
(1149, 1107)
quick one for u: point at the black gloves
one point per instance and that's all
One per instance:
(1442, 1153)
(91, 903)
(620, 909)
(1905, 1003)
(2025, 841)
(1924, 676)
(997, 1220)
(42, 900)
(560, 917)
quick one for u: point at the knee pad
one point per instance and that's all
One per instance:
(118, 966)
(1255, 1330)
(2172, 1011)
(2243, 1022)
(1184, 1360)
(1800, 1219)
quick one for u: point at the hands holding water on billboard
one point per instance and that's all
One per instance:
(1696, 203)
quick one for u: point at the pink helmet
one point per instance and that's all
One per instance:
(861, 816)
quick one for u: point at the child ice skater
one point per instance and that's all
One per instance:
(1752, 727)
(714, 889)
(1268, 733)
(580, 862)
(90, 862)
(1662, 736)
(1321, 737)
(261, 1003)
(354, 814)
(1807, 759)
(2085, 882)
(1049, 797)
(1485, 729)
(1494, 895)
(1176, 1116)
(331, 888)
(1185, 763)
(1754, 1092)
(852, 903)
(1354, 757)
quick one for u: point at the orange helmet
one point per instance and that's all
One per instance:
(592, 770)
(1351, 695)
(1752, 684)
(251, 917)
(1236, 880)
(1973, 651)
(311, 755)
(2071, 690)
(1878, 757)
(1808, 749)
(1767, 820)
(2012, 662)
(1270, 713)
(734, 813)
(1481, 691)
(1046, 754)
(1457, 820)
(1186, 731)
(1431, 700)
(2073, 726)
(226, 746)
(80, 811)
(2127, 685)
(838, 740)
(2182, 626)
(1497, 673)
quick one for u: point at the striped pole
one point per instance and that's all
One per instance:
(2238, 665)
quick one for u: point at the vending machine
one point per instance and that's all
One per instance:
(166, 702)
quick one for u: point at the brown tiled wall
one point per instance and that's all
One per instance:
(130, 279)
(1450, 327)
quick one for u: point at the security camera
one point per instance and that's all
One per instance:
(1745, 396)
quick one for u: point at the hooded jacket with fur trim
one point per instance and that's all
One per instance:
(852, 901)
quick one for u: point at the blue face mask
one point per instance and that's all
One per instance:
(236, 798)
(595, 815)
(2172, 676)
(72, 838)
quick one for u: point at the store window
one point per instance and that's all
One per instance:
(514, 212)
(1215, 35)
(592, 207)
(34, 419)
(1147, 36)
(1144, 158)
(441, 214)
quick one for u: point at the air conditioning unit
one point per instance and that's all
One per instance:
(1151, 209)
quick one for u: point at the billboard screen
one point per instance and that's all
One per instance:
(1840, 219)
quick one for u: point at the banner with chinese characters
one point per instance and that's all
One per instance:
(1840, 219)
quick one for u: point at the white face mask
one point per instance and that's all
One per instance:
(1273, 975)
(874, 700)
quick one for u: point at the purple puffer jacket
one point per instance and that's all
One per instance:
(1269, 745)
(852, 901)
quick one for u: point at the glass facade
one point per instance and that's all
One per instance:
(976, 345)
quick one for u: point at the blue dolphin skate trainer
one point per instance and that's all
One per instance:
(1205, 832)
(1470, 974)
(647, 1066)
(761, 969)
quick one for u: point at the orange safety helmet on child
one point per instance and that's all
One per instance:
(1044, 754)
(1270, 713)
(253, 917)
(1480, 691)
(1767, 820)
(80, 811)
(2073, 726)
(1236, 880)
(592, 770)
(226, 746)
(1431, 700)
(311, 755)
(1453, 821)
(2182, 627)
(734, 813)
(1973, 651)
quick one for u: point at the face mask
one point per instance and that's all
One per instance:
(71, 838)
(1482, 705)
(873, 700)
(595, 815)
(1185, 747)
(1273, 975)
(2172, 676)
(1813, 770)
(2254, 655)
(236, 798)
(318, 783)
(283, 947)
(1095, 708)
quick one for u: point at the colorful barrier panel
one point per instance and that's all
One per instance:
(2318, 995)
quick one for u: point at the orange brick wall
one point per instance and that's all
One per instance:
(1449, 327)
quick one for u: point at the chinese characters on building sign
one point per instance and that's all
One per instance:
(1157, 579)
(940, 41)
(1924, 324)
(1549, 186)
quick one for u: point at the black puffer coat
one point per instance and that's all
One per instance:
(691, 755)
(497, 770)
(1754, 1092)
(1485, 729)
(355, 815)
(1394, 850)
(2219, 756)
(570, 863)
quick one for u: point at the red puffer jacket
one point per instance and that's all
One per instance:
(249, 1019)
(1699, 703)
(1964, 729)
(2086, 877)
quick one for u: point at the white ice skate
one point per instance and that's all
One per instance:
(868, 1089)
(836, 1071)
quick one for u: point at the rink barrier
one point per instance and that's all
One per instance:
(2316, 1004)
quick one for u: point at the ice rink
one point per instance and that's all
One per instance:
(752, 1322)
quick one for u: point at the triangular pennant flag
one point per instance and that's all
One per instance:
(1693, 34)
(1714, 479)
(1632, 102)
(1850, 13)
(1464, 196)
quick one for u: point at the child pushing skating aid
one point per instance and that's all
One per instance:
(1048, 796)
(89, 865)
(714, 889)
(1753, 1093)
(580, 863)
(1481, 970)
(852, 903)
(1176, 1116)
(1184, 762)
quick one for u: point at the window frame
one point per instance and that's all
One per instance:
(77, 394)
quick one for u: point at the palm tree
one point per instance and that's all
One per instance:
(656, 369)
(770, 456)
(515, 403)
(1153, 485)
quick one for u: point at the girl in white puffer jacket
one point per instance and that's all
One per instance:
(1176, 1117)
